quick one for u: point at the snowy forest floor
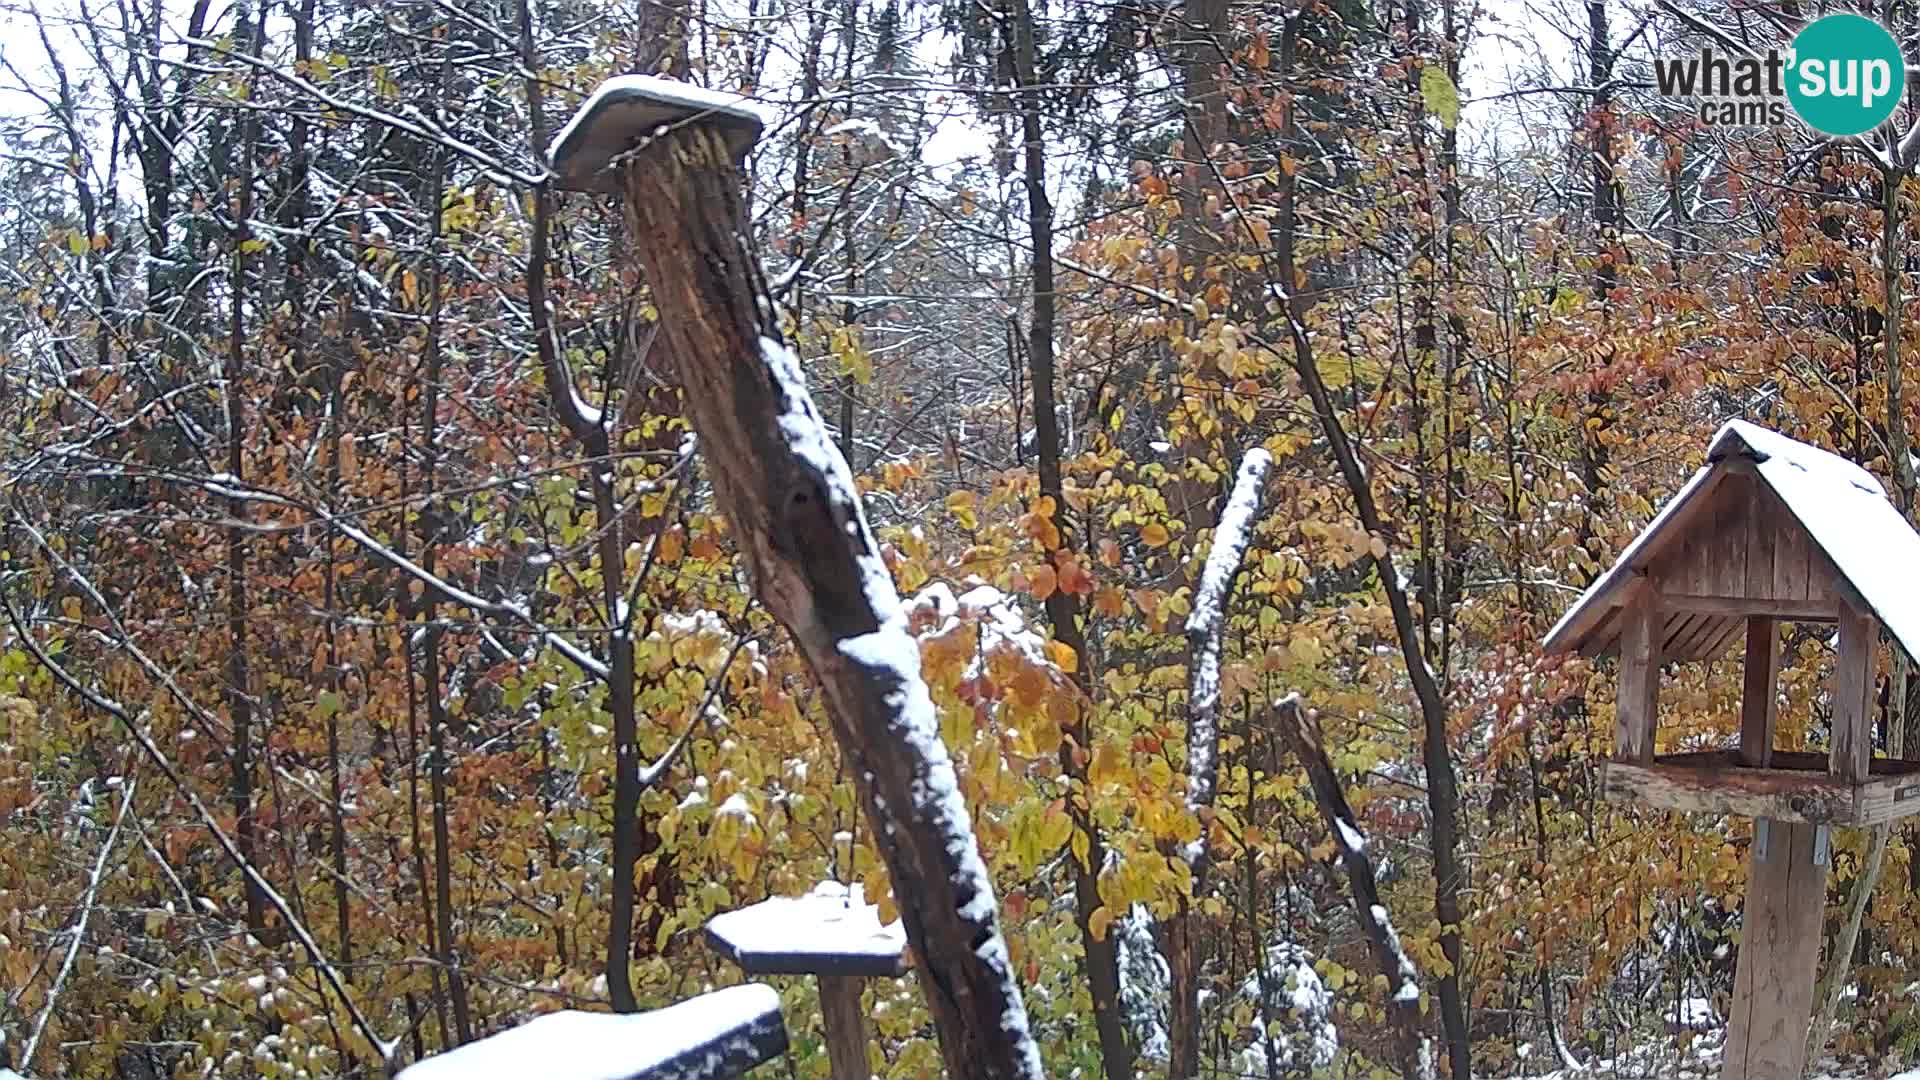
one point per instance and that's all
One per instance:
(1696, 1056)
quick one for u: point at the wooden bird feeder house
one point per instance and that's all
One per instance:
(1769, 531)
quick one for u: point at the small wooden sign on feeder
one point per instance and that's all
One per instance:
(1769, 531)
(831, 933)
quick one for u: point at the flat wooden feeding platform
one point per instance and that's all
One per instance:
(829, 931)
(716, 1036)
(1793, 787)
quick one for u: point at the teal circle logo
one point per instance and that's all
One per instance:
(1846, 75)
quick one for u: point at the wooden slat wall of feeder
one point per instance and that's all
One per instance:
(1770, 531)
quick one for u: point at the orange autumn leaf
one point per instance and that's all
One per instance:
(1074, 577)
(1063, 656)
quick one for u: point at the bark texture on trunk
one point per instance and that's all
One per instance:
(1100, 953)
(788, 495)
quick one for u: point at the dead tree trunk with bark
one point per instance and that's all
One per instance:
(790, 499)
(1302, 734)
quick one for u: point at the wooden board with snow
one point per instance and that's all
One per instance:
(710, 1037)
(829, 931)
(627, 109)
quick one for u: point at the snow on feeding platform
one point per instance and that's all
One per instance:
(710, 1037)
(829, 931)
(629, 108)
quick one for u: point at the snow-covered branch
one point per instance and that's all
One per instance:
(1231, 538)
(79, 924)
(1301, 730)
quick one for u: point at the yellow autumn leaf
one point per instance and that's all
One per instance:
(1155, 535)
(1098, 922)
(960, 504)
(1054, 827)
(1108, 765)
(1440, 96)
(1063, 656)
(672, 546)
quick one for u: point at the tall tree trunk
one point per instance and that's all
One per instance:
(593, 432)
(295, 207)
(448, 955)
(239, 693)
(1100, 951)
(1443, 793)
(1607, 218)
(660, 38)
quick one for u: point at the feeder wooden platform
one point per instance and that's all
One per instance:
(715, 1036)
(1796, 787)
(831, 933)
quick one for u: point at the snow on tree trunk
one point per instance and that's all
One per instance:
(1231, 538)
(790, 499)
(1230, 541)
(1302, 733)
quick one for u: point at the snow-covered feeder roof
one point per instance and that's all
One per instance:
(710, 1037)
(628, 108)
(1768, 526)
(829, 931)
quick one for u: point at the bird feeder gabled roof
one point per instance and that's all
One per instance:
(1764, 517)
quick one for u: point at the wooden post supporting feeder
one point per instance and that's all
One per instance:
(1770, 530)
(715, 1036)
(831, 933)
